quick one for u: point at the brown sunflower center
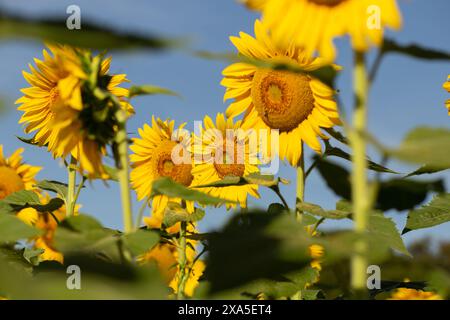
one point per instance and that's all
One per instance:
(282, 99)
(10, 182)
(329, 3)
(166, 167)
(230, 166)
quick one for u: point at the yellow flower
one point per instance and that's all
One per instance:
(152, 159)
(54, 108)
(295, 104)
(412, 294)
(254, 4)
(15, 175)
(316, 252)
(165, 256)
(224, 148)
(313, 24)
(446, 86)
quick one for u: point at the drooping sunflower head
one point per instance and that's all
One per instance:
(446, 86)
(222, 149)
(295, 104)
(160, 151)
(15, 175)
(61, 109)
(313, 24)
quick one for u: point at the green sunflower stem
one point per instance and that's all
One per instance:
(72, 180)
(182, 261)
(123, 171)
(300, 194)
(360, 188)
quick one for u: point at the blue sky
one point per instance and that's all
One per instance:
(407, 92)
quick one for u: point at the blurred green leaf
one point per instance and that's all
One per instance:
(318, 211)
(175, 213)
(91, 35)
(439, 280)
(32, 255)
(168, 187)
(140, 241)
(399, 194)
(425, 169)
(13, 229)
(434, 213)
(28, 199)
(413, 50)
(54, 186)
(254, 178)
(149, 90)
(383, 229)
(423, 145)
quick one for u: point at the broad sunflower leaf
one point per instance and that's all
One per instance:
(54, 186)
(265, 180)
(13, 229)
(383, 229)
(140, 241)
(319, 211)
(423, 145)
(399, 194)
(175, 213)
(414, 50)
(22, 198)
(148, 89)
(434, 213)
(91, 35)
(336, 152)
(168, 187)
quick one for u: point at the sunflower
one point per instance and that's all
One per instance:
(15, 175)
(152, 159)
(295, 104)
(165, 256)
(223, 148)
(254, 4)
(53, 107)
(446, 86)
(313, 24)
(413, 294)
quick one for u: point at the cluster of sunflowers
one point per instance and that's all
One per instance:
(78, 111)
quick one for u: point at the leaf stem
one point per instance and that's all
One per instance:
(141, 213)
(72, 180)
(360, 189)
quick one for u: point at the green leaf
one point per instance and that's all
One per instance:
(339, 136)
(22, 198)
(28, 199)
(54, 186)
(423, 145)
(318, 211)
(149, 90)
(32, 255)
(91, 35)
(29, 141)
(434, 213)
(265, 180)
(403, 194)
(175, 213)
(399, 194)
(415, 51)
(168, 187)
(383, 229)
(82, 223)
(336, 152)
(425, 169)
(13, 229)
(140, 241)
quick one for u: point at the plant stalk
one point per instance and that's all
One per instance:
(72, 180)
(360, 188)
(300, 193)
(182, 261)
(123, 171)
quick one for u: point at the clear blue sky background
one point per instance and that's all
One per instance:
(406, 93)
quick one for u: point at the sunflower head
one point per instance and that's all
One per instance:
(66, 108)
(160, 151)
(413, 294)
(15, 175)
(296, 105)
(222, 149)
